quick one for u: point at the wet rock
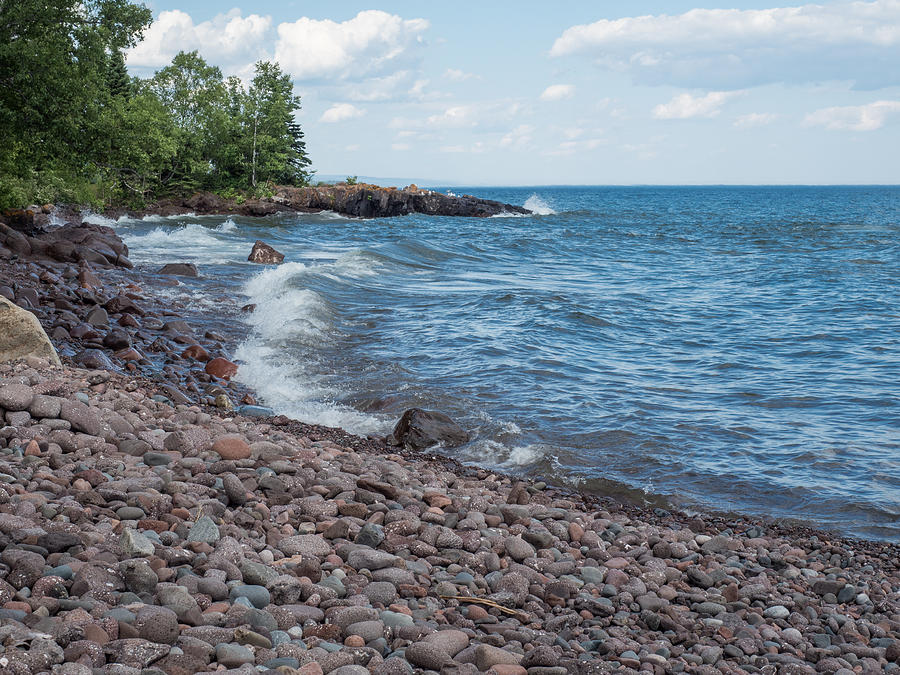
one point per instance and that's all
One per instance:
(264, 254)
(419, 429)
(221, 368)
(179, 269)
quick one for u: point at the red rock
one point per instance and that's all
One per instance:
(222, 368)
(476, 613)
(576, 532)
(231, 447)
(309, 669)
(128, 320)
(196, 352)
(155, 525)
(95, 633)
(33, 449)
(506, 669)
(131, 354)
(355, 641)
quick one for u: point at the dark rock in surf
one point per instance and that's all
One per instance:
(372, 201)
(179, 269)
(264, 254)
(419, 429)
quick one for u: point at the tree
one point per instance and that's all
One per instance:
(53, 64)
(195, 95)
(278, 149)
(118, 82)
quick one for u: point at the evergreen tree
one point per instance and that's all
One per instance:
(118, 82)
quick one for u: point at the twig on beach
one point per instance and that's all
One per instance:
(490, 603)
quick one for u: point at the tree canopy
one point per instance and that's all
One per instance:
(74, 126)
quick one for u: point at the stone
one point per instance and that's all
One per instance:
(16, 397)
(231, 446)
(221, 368)
(419, 429)
(305, 545)
(427, 656)
(451, 641)
(204, 530)
(179, 269)
(136, 545)
(233, 656)
(157, 624)
(518, 549)
(97, 317)
(370, 535)
(371, 559)
(257, 595)
(264, 254)
(488, 655)
(777, 612)
(21, 335)
(82, 418)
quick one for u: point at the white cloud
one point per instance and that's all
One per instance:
(558, 92)
(685, 106)
(731, 48)
(340, 112)
(400, 147)
(371, 44)
(518, 138)
(485, 116)
(459, 75)
(854, 117)
(755, 120)
(228, 40)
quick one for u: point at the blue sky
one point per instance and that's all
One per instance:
(537, 93)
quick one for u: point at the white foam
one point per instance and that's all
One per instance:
(98, 219)
(538, 206)
(288, 319)
(228, 226)
(191, 242)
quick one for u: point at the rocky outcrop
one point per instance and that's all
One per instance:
(21, 335)
(74, 242)
(419, 429)
(264, 254)
(373, 201)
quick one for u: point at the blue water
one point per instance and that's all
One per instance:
(727, 348)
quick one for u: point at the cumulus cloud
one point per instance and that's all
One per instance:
(685, 106)
(340, 112)
(854, 117)
(732, 48)
(229, 40)
(371, 44)
(755, 120)
(558, 92)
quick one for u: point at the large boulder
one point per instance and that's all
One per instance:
(419, 429)
(21, 335)
(264, 254)
(179, 269)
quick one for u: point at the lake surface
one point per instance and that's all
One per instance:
(726, 348)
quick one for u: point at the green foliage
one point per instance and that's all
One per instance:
(76, 127)
(351, 180)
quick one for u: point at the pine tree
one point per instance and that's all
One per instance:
(117, 79)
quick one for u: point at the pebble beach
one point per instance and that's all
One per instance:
(154, 519)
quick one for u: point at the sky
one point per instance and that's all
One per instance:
(576, 93)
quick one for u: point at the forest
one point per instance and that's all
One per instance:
(75, 127)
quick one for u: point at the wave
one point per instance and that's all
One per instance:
(228, 226)
(278, 359)
(538, 206)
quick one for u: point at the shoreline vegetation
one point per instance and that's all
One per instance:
(150, 506)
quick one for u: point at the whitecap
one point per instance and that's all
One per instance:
(538, 206)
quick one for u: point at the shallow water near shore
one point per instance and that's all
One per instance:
(728, 348)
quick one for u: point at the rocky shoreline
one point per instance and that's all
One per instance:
(154, 520)
(357, 200)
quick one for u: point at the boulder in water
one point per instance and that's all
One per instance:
(179, 269)
(419, 429)
(21, 335)
(264, 254)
